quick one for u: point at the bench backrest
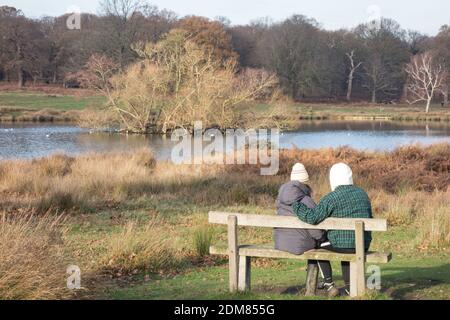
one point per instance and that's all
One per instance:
(255, 220)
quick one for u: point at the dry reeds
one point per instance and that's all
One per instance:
(400, 183)
(147, 248)
(32, 265)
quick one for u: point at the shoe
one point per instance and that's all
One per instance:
(331, 289)
(344, 292)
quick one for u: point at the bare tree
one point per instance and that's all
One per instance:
(426, 77)
(177, 82)
(120, 28)
(20, 39)
(353, 67)
(387, 53)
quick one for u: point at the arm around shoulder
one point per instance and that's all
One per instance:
(313, 215)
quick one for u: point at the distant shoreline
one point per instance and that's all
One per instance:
(48, 106)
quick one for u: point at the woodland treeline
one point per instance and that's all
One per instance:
(367, 63)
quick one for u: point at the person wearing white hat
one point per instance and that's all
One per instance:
(345, 201)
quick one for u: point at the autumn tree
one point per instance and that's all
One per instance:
(426, 77)
(97, 73)
(210, 35)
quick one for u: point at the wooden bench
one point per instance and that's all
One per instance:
(240, 255)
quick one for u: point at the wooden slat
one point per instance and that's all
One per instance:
(267, 221)
(267, 251)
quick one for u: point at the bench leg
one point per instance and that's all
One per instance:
(233, 252)
(359, 266)
(311, 279)
(244, 273)
(357, 279)
(353, 279)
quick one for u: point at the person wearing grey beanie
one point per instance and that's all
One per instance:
(296, 241)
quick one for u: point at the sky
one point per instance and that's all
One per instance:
(425, 16)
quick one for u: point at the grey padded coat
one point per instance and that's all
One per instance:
(295, 241)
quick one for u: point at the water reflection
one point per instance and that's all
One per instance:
(38, 140)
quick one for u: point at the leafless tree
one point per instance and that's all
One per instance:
(426, 77)
(123, 9)
(353, 67)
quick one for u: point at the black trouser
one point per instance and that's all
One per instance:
(325, 266)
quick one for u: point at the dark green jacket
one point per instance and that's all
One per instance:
(344, 202)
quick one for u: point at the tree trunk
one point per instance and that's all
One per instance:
(20, 77)
(445, 94)
(350, 86)
(405, 92)
(428, 105)
(374, 96)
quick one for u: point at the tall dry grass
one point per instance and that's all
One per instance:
(405, 185)
(408, 186)
(434, 229)
(64, 183)
(139, 248)
(32, 263)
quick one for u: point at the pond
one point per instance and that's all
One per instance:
(23, 141)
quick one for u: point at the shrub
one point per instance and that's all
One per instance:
(202, 240)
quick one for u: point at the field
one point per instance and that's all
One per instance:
(137, 227)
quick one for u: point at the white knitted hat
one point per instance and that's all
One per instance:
(340, 175)
(299, 173)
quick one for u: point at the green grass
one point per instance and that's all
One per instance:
(410, 275)
(37, 101)
(403, 278)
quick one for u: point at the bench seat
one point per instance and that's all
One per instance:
(267, 251)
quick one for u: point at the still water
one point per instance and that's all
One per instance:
(38, 140)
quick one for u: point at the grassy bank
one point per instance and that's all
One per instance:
(57, 104)
(137, 227)
(35, 106)
(288, 114)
